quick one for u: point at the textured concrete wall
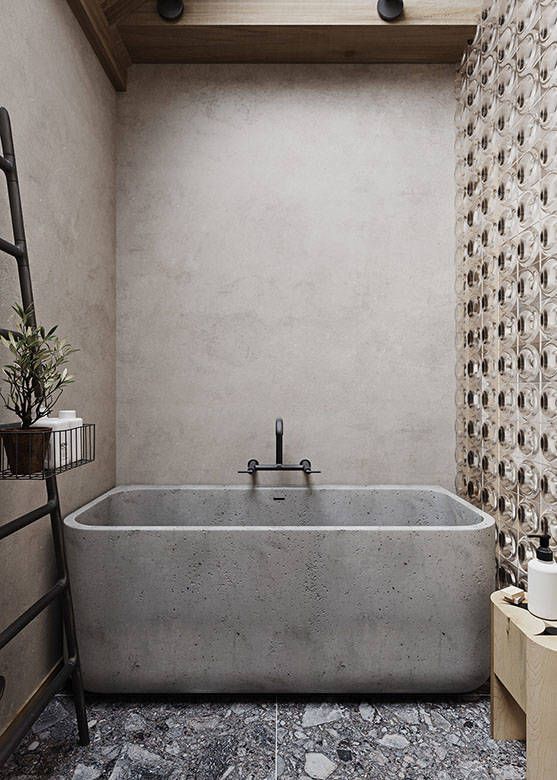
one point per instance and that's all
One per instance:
(285, 246)
(63, 115)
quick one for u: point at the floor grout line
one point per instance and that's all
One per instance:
(276, 738)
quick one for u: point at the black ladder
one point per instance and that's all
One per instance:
(68, 665)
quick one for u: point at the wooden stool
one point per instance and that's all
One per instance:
(524, 684)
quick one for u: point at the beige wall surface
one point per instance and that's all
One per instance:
(63, 115)
(285, 247)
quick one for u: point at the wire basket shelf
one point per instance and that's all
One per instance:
(38, 453)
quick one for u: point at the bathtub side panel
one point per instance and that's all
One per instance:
(282, 610)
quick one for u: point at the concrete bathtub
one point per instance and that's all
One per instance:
(330, 589)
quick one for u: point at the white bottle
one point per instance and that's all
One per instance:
(52, 460)
(69, 438)
(542, 582)
(65, 442)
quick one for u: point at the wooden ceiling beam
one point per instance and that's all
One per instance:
(116, 10)
(105, 40)
(310, 44)
(124, 31)
(308, 12)
(300, 31)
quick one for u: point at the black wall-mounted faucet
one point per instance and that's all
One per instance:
(254, 466)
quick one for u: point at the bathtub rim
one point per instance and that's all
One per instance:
(72, 519)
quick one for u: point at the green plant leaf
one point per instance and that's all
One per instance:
(36, 377)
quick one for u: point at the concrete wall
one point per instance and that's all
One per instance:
(285, 247)
(63, 115)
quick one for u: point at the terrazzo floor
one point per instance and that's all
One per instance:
(218, 738)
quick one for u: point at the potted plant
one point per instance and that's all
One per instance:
(35, 380)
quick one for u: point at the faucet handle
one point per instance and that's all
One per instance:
(252, 467)
(306, 467)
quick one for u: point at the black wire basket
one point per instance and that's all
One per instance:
(37, 453)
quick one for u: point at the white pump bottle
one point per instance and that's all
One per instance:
(542, 581)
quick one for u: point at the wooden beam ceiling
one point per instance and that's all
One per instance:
(274, 31)
(105, 40)
(320, 12)
(115, 10)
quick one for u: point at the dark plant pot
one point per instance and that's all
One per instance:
(26, 449)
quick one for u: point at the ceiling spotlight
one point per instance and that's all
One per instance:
(389, 10)
(170, 10)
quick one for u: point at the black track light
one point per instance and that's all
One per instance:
(170, 10)
(389, 10)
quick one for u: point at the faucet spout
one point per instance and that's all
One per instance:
(279, 425)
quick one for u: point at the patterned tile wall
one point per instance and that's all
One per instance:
(506, 212)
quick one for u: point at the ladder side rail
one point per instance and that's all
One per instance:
(68, 667)
(67, 610)
(12, 736)
(16, 214)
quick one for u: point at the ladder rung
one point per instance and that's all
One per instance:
(10, 249)
(6, 165)
(30, 614)
(20, 522)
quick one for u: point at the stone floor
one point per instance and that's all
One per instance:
(216, 738)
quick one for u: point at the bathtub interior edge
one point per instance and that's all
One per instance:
(72, 520)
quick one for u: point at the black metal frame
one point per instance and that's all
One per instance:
(65, 450)
(68, 666)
